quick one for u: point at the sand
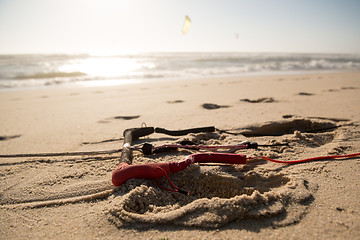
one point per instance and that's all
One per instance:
(62, 197)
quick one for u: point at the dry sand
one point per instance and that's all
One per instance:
(72, 196)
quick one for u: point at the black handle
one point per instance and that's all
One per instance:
(139, 132)
(129, 135)
(134, 133)
(185, 131)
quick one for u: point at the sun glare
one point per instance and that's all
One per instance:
(107, 67)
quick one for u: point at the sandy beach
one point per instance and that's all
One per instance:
(64, 197)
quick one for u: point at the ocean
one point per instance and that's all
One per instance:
(34, 71)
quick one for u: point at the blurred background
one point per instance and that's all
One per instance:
(104, 42)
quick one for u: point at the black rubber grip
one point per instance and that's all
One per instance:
(139, 132)
(185, 131)
(165, 149)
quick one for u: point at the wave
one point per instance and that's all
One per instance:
(44, 70)
(50, 75)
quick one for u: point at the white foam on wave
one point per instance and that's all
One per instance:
(41, 70)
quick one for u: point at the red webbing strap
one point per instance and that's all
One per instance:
(313, 159)
(218, 158)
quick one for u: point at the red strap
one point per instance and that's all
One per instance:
(218, 158)
(313, 159)
(176, 189)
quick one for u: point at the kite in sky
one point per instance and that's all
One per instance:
(186, 25)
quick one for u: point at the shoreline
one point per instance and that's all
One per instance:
(122, 82)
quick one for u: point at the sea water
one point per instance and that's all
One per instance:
(29, 71)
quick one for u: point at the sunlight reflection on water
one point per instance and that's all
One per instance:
(105, 67)
(106, 70)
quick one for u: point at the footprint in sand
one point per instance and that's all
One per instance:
(107, 120)
(126, 117)
(175, 101)
(286, 116)
(305, 94)
(4, 138)
(348, 88)
(212, 106)
(342, 88)
(259, 100)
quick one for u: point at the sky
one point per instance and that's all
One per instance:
(129, 26)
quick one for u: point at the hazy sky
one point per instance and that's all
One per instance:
(116, 26)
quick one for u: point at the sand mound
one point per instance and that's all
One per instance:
(214, 201)
(278, 128)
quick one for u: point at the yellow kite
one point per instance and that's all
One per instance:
(186, 25)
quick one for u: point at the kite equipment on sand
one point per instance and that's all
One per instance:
(209, 154)
(126, 171)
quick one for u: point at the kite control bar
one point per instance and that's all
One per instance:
(126, 171)
(134, 133)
